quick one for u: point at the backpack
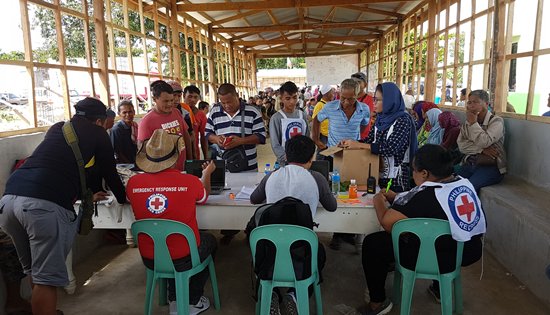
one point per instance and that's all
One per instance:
(288, 210)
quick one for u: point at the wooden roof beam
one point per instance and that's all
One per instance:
(271, 4)
(367, 9)
(271, 53)
(308, 54)
(236, 17)
(349, 49)
(359, 39)
(282, 28)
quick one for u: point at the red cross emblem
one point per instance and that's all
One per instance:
(295, 132)
(157, 203)
(466, 208)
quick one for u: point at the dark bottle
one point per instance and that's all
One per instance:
(371, 182)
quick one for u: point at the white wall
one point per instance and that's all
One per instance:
(15, 148)
(330, 70)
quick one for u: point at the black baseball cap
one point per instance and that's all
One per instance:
(90, 107)
(360, 76)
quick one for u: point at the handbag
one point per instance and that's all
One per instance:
(485, 160)
(235, 159)
(86, 207)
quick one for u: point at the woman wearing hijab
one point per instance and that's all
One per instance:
(451, 125)
(436, 132)
(424, 132)
(417, 114)
(393, 137)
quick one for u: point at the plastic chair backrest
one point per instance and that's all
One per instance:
(283, 236)
(159, 230)
(428, 231)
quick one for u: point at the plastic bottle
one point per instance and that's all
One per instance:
(335, 182)
(276, 166)
(352, 189)
(267, 169)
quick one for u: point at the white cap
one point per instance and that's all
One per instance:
(325, 89)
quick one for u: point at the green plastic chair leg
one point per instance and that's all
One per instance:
(259, 300)
(214, 282)
(459, 308)
(396, 298)
(182, 300)
(149, 289)
(163, 296)
(318, 299)
(407, 292)
(302, 299)
(446, 293)
(265, 300)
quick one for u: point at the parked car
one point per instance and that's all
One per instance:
(74, 96)
(13, 99)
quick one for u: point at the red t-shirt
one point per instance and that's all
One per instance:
(172, 123)
(201, 119)
(167, 195)
(367, 99)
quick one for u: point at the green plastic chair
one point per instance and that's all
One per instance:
(427, 230)
(283, 236)
(159, 230)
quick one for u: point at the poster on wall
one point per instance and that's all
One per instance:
(331, 70)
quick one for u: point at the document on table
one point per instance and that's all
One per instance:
(245, 193)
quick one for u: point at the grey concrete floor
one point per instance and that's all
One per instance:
(112, 281)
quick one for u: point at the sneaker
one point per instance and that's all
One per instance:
(335, 243)
(201, 306)
(435, 293)
(274, 309)
(173, 308)
(384, 308)
(289, 305)
(198, 308)
(71, 287)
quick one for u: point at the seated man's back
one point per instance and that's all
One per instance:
(296, 180)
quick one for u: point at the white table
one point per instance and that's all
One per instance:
(220, 212)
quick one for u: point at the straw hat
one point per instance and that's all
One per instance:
(159, 152)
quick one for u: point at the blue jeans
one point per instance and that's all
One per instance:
(481, 176)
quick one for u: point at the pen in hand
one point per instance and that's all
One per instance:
(389, 185)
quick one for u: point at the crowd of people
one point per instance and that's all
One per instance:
(423, 150)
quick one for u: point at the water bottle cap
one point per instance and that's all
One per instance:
(267, 164)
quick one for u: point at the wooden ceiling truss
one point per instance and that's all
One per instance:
(330, 32)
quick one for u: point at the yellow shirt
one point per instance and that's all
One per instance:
(324, 124)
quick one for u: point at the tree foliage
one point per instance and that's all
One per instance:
(280, 63)
(12, 55)
(74, 36)
(419, 53)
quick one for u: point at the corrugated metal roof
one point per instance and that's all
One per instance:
(305, 27)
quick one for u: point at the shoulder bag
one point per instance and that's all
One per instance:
(86, 195)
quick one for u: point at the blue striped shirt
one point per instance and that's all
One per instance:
(221, 123)
(339, 127)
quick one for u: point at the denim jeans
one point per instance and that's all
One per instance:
(481, 176)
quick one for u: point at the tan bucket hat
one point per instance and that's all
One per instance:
(159, 152)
